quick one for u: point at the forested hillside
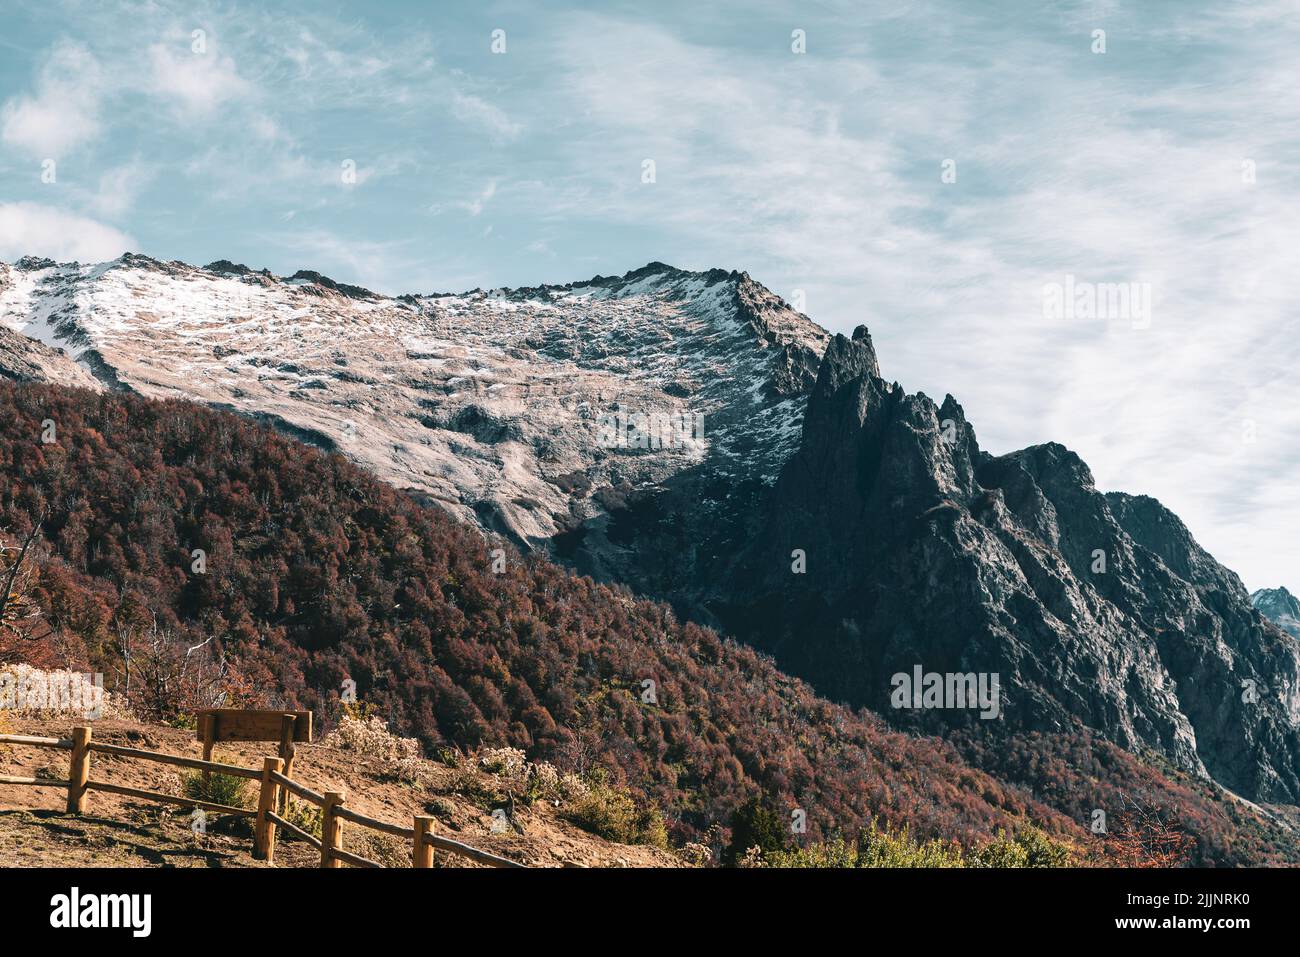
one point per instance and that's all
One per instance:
(222, 558)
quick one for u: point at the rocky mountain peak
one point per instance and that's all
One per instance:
(1279, 606)
(915, 549)
(846, 360)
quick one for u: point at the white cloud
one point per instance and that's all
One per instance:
(196, 82)
(473, 206)
(64, 110)
(119, 187)
(477, 111)
(32, 229)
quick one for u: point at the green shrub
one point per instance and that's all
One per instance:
(753, 825)
(1030, 847)
(303, 815)
(214, 788)
(836, 853)
(615, 815)
(887, 847)
(1002, 852)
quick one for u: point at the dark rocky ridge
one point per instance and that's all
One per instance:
(922, 549)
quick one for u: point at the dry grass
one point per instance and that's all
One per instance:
(120, 831)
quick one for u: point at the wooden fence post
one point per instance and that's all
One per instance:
(209, 727)
(331, 829)
(422, 852)
(79, 770)
(264, 829)
(287, 751)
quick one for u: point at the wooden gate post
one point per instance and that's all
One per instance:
(79, 770)
(209, 729)
(264, 829)
(287, 751)
(422, 852)
(331, 829)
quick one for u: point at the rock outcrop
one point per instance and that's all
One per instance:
(919, 550)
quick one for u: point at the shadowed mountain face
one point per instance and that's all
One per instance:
(922, 550)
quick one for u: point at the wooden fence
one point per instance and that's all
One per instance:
(274, 785)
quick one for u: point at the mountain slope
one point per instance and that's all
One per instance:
(488, 403)
(923, 550)
(316, 572)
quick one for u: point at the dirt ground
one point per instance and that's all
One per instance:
(122, 831)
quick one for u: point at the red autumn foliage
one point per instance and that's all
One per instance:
(317, 572)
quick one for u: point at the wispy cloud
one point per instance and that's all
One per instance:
(478, 111)
(819, 172)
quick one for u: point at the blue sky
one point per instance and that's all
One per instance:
(819, 172)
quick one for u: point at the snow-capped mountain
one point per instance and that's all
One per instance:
(689, 434)
(522, 410)
(1279, 606)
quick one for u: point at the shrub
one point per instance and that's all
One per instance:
(1041, 850)
(615, 815)
(888, 847)
(1001, 852)
(836, 853)
(383, 849)
(753, 825)
(505, 761)
(370, 735)
(304, 815)
(215, 788)
(696, 854)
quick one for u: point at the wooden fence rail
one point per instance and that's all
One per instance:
(275, 786)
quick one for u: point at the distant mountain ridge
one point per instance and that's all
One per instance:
(1279, 606)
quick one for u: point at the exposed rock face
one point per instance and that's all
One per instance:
(488, 404)
(1280, 607)
(922, 550)
(26, 360)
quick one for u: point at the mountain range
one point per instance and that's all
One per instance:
(816, 511)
